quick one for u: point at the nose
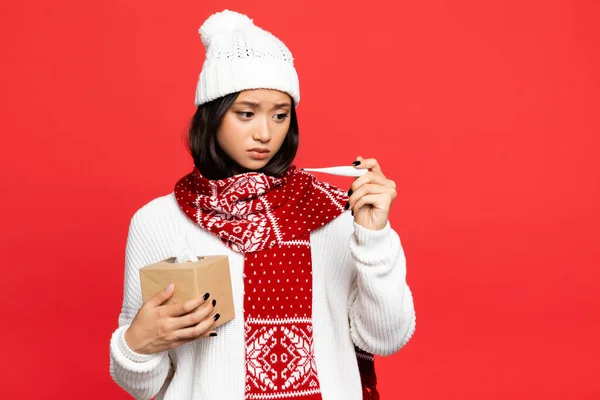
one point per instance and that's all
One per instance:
(263, 133)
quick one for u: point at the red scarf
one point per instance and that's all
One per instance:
(269, 220)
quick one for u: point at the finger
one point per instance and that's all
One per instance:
(181, 342)
(162, 296)
(380, 201)
(195, 317)
(371, 177)
(370, 164)
(192, 332)
(366, 190)
(175, 310)
(357, 162)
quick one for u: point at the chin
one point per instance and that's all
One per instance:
(254, 165)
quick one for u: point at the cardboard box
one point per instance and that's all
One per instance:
(210, 274)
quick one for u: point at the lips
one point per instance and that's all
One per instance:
(259, 153)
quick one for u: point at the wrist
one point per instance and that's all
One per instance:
(371, 236)
(132, 342)
(129, 359)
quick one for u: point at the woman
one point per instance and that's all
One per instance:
(318, 275)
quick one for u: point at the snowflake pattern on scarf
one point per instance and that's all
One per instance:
(269, 220)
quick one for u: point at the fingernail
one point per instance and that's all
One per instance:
(347, 206)
(169, 288)
(214, 302)
(216, 317)
(213, 334)
(356, 163)
(353, 213)
(206, 296)
(350, 192)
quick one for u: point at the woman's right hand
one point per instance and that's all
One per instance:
(158, 327)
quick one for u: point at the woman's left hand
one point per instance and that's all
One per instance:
(371, 196)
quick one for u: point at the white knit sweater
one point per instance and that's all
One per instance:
(360, 296)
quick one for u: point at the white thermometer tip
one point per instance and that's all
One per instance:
(340, 171)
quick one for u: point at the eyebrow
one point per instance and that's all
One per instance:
(256, 105)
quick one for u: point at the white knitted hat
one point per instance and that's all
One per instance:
(240, 56)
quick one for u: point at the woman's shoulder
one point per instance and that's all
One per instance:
(158, 209)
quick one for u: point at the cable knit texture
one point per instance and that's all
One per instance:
(363, 269)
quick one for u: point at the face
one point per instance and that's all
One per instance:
(254, 127)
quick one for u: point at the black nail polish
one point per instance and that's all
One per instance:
(350, 192)
(216, 317)
(347, 206)
(214, 302)
(206, 296)
(213, 334)
(353, 213)
(356, 163)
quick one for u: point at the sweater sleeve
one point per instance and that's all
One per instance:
(382, 315)
(141, 375)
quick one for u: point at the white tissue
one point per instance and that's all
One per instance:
(186, 254)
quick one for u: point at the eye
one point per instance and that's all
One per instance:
(281, 117)
(245, 114)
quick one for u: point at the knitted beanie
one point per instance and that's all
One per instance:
(240, 56)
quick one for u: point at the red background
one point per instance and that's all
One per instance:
(484, 113)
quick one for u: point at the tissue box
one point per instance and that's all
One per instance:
(210, 274)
